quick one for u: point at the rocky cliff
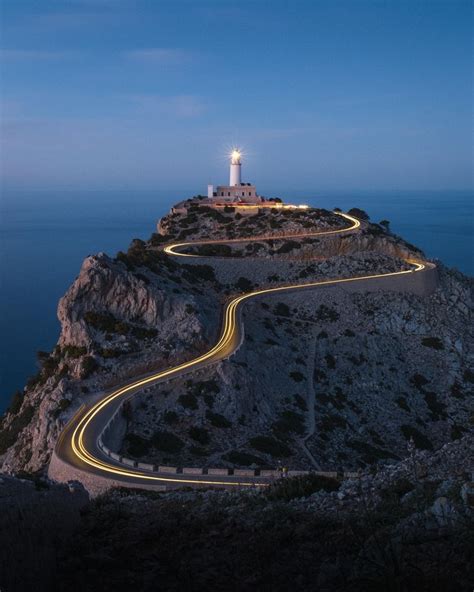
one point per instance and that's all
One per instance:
(121, 317)
(326, 378)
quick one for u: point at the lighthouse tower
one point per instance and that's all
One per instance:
(235, 168)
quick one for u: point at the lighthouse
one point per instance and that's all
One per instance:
(235, 168)
(235, 192)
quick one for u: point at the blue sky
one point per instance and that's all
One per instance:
(321, 95)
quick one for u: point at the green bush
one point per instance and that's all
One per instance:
(89, 366)
(73, 351)
(158, 239)
(433, 342)
(420, 440)
(200, 435)
(289, 421)
(196, 273)
(166, 441)
(101, 321)
(9, 436)
(468, 376)
(143, 333)
(188, 401)
(170, 417)
(282, 310)
(419, 381)
(358, 213)
(371, 453)
(217, 420)
(203, 387)
(301, 403)
(16, 402)
(330, 361)
(300, 486)
(270, 446)
(237, 457)
(325, 313)
(329, 422)
(136, 445)
(402, 403)
(62, 406)
(297, 376)
(288, 246)
(198, 451)
(243, 284)
(110, 352)
(214, 250)
(457, 432)
(438, 409)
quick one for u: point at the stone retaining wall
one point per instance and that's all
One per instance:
(221, 472)
(228, 271)
(62, 472)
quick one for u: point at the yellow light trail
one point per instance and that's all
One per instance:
(226, 345)
(172, 249)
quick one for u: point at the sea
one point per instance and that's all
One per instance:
(45, 235)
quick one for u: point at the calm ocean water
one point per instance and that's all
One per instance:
(45, 237)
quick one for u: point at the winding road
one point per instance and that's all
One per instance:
(79, 445)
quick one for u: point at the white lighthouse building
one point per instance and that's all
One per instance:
(235, 192)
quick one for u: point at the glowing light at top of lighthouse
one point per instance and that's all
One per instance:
(235, 156)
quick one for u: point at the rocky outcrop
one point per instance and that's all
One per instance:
(144, 299)
(116, 322)
(409, 523)
(37, 518)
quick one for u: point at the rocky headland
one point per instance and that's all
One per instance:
(376, 380)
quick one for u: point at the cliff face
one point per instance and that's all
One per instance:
(116, 322)
(327, 378)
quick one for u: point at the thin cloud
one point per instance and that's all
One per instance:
(29, 55)
(181, 106)
(160, 55)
